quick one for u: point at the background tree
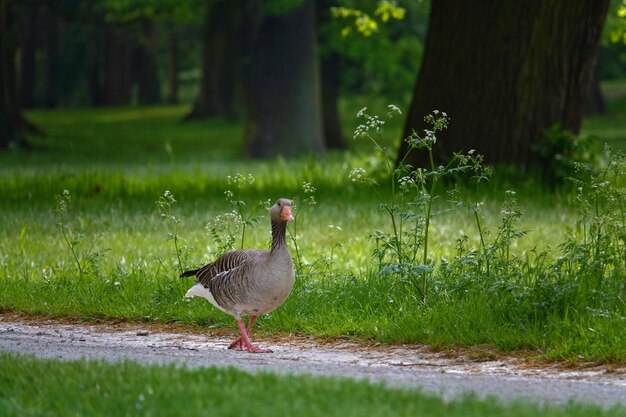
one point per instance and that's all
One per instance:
(13, 124)
(221, 83)
(282, 82)
(526, 67)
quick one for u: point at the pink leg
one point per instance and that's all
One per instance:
(243, 342)
(238, 344)
(246, 341)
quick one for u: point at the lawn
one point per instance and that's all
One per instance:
(541, 269)
(30, 387)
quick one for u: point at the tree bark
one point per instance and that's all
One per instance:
(146, 65)
(330, 70)
(95, 76)
(505, 71)
(330, 66)
(28, 49)
(13, 124)
(283, 86)
(172, 66)
(220, 88)
(51, 45)
(117, 66)
(595, 102)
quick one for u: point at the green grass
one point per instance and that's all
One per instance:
(116, 163)
(611, 127)
(30, 387)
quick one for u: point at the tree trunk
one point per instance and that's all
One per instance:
(146, 65)
(53, 31)
(13, 125)
(28, 49)
(220, 88)
(283, 86)
(7, 103)
(172, 66)
(117, 66)
(505, 71)
(95, 77)
(595, 102)
(330, 66)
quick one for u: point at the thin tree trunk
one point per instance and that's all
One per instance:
(505, 71)
(595, 101)
(149, 88)
(283, 87)
(95, 82)
(172, 66)
(28, 49)
(13, 124)
(117, 66)
(51, 83)
(220, 88)
(330, 67)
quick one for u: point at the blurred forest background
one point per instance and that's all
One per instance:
(507, 73)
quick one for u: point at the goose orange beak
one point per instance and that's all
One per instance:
(285, 214)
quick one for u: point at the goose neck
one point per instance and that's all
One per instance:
(279, 230)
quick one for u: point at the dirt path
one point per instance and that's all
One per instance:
(404, 366)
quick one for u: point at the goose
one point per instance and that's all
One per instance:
(249, 282)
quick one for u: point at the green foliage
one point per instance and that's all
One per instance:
(363, 22)
(563, 152)
(30, 387)
(171, 11)
(616, 23)
(526, 270)
(384, 63)
(165, 204)
(280, 7)
(413, 192)
(87, 258)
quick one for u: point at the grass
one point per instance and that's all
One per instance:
(30, 387)
(116, 260)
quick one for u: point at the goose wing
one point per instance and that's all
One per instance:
(222, 267)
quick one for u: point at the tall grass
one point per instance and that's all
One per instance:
(530, 269)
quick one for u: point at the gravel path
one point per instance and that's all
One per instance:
(404, 366)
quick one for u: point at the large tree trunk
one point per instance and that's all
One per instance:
(283, 86)
(504, 71)
(220, 88)
(330, 67)
(146, 65)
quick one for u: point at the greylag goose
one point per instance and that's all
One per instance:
(249, 282)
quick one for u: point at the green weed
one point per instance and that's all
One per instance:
(164, 204)
(413, 192)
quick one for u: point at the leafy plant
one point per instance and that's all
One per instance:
(246, 216)
(165, 205)
(563, 152)
(308, 199)
(404, 251)
(75, 239)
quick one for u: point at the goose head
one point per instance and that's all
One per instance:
(281, 211)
